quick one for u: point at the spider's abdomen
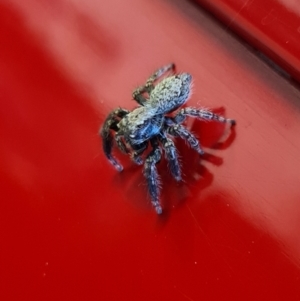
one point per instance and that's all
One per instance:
(171, 93)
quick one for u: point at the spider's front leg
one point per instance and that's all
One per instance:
(171, 156)
(120, 143)
(202, 114)
(110, 124)
(148, 87)
(151, 175)
(137, 151)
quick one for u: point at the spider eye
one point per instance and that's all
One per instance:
(131, 135)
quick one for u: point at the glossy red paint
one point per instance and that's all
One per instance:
(72, 228)
(272, 26)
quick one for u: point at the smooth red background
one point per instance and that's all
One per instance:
(72, 228)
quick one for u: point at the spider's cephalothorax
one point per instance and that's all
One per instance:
(151, 123)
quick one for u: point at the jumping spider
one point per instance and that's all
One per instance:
(151, 123)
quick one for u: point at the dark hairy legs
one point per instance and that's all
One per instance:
(185, 134)
(150, 169)
(148, 87)
(174, 128)
(171, 156)
(151, 175)
(108, 140)
(201, 114)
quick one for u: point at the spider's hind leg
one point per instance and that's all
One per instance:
(110, 124)
(148, 87)
(151, 175)
(185, 134)
(158, 73)
(202, 114)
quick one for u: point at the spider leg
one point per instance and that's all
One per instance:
(148, 87)
(171, 156)
(137, 151)
(151, 175)
(120, 143)
(107, 138)
(137, 95)
(158, 73)
(202, 114)
(185, 134)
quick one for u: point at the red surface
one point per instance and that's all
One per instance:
(270, 25)
(72, 228)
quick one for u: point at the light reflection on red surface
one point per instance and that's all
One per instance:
(73, 228)
(271, 26)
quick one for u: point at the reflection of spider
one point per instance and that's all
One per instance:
(151, 123)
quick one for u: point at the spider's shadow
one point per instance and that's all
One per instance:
(196, 176)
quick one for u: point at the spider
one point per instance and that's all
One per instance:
(151, 123)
